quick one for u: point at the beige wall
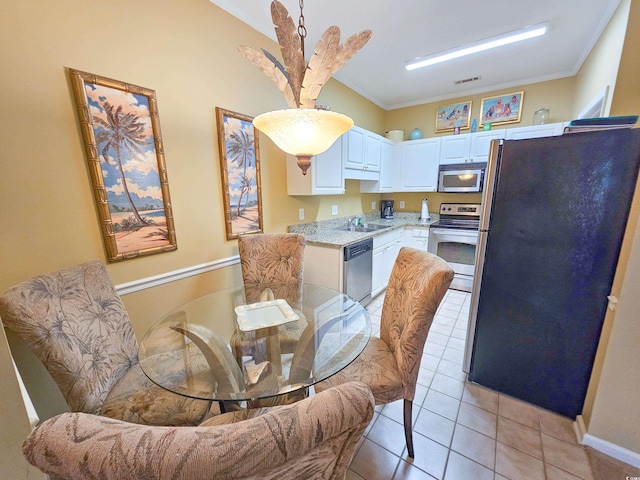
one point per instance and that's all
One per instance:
(601, 66)
(14, 421)
(186, 52)
(556, 95)
(366, 115)
(413, 200)
(193, 68)
(611, 411)
(53, 222)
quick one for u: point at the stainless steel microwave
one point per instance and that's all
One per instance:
(461, 177)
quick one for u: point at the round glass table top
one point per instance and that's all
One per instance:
(218, 347)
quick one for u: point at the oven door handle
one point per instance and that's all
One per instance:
(448, 235)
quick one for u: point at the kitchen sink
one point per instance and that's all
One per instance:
(369, 227)
(375, 226)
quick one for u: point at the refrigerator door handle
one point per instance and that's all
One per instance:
(485, 214)
(481, 248)
(490, 183)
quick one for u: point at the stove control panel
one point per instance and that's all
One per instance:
(466, 209)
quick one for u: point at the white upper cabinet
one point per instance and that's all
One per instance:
(355, 148)
(324, 177)
(363, 153)
(455, 148)
(389, 171)
(535, 131)
(481, 143)
(420, 165)
(372, 151)
(468, 147)
(389, 166)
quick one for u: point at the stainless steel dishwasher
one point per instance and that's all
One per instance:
(357, 270)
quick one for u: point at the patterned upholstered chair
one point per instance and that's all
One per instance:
(273, 261)
(315, 438)
(389, 365)
(272, 267)
(75, 323)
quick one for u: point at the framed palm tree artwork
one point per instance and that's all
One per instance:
(240, 172)
(123, 145)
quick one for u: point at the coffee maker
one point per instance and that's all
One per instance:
(386, 209)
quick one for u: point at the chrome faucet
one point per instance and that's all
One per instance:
(351, 222)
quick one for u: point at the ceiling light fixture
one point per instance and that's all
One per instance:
(487, 44)
(304, 130)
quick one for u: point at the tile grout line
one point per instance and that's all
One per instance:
(459, 308)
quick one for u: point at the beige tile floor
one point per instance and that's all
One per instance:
(463, 431)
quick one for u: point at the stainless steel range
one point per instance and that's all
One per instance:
(455, 238)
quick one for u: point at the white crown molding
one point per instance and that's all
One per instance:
(168, 277)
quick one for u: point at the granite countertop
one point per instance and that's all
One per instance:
(332, 233)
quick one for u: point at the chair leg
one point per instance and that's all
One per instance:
(408, 430)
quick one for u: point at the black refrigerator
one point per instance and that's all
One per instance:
(554, 212)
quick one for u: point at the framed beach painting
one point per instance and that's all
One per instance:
(240, 173)
(501, 109)
(123, 144)
(449, 117)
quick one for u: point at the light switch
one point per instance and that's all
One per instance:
(401, 203)
(334, 209)
(301, 214)
(373, 205)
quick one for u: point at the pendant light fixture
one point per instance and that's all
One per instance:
(303, 130)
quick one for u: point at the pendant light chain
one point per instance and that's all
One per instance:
(302, 30)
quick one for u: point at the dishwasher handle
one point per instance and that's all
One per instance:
(357, 249)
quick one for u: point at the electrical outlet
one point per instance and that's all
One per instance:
(401, 203)
(301, 214)
(334, 209)
(373, 205)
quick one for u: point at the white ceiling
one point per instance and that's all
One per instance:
(406, 29)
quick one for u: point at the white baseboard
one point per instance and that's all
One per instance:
(169, 277)
(611, 449)
(580, 429)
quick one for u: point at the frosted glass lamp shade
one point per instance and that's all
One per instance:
(303, 132)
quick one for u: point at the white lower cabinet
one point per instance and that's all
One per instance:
(385, 250)
(417, 237)
(377, 271)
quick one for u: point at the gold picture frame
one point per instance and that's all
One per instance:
(240, 173)
(448, 117)
(501, 109)
(123, 144)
